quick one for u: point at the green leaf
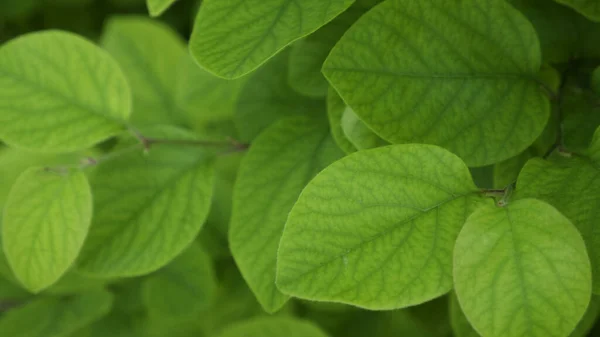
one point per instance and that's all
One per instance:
(589, 8)
(273, 327)
(482, 101)
(280, 162)
(507, 171)
(573, 188)
(230, 40)
(335, 112)
(55, 317)
(460, 324)
(564, 34)
(157, 7)
(205, 97)
(521, 270)
(47, 105)
(147, 208)
(45, 221)
(376, 228)
(182, 288)
(149, 52)
(308, 54)
(266, 97)
(358, 133)
(580, 117)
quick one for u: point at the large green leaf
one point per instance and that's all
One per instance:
(55, 317)
(564, 34)
(273, 327)
(281, 161)
(358, 133)
(573, 187)
(147, 207)
(521, 270)
(45, 221)
(149, 52)
(45, 102)
(234, 37)
(266, 97)
(335, 112)
(589, 8)
(157, 7)
(182, 288)
(376, 229)
(482, 100)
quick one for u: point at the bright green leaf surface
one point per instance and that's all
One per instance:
(182, 288)
(358, 133)
(234, 37)
(482, 100)
(149, 53)
(205, 97)
(157, 7)
(574, 189)
(45, 102)
(376, 229)
(589, 8)
(280, 163)
(45, 221)
(335, 112)
(55, 317)
(273, 327)
(147, 208)
(267, 97)
(521, 270)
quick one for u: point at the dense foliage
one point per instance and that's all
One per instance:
(301, 168)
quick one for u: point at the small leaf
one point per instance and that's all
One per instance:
(273, 327)
(358, 133)
(589, 8)
(149, 53)
(47, 105)
(267, 97)
(376, 229)
(46, 219)
(147, 208)
(335, 112)
(157, 7)
(281, 161)
(182, 288)
(230, 40)
(482, 102)
(521, 270)
(572, 187)
(55, 317)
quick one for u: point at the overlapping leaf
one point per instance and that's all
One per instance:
(482, 100)
(47, 105)
(521, 270)
(147, 208)
(376, 229)
(278, 166)
(234, 37)
(45, 221)
(335, 112)
(358, 133)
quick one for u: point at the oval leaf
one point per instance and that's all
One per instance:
(482, 100)
(234, 37)
(273, 327)
(182, 288)
(147, 208)
(46, 219)
(278, 166)
(376, 229)
(522, 270)
(45, 102)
